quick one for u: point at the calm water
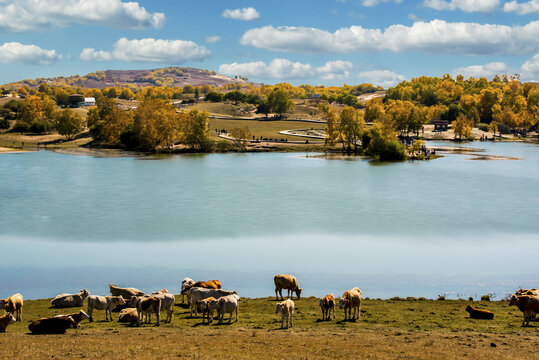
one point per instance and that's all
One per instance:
(466, 227)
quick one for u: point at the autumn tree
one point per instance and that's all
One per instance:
(462, 126)
(332, 124)
(374, 109)
(488, 98)
(350, 127)
(240, 136)
(68, 123)
(194, 129)
(156, 124)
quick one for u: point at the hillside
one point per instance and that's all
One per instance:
(170, 76)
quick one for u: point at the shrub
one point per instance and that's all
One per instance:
(128, 138)
(483, 127)
(503, 129)
(20, 127)
(485, 297)
(441, 297)
(39, 127)
(4, 124)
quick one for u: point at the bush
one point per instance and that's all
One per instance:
(503, 129)
(483, 127)
(39, 127)
(4, 124)
(392, 150)
(20, 127)
(128, 138)
(222, 146)
(485, 297)
(441, 297)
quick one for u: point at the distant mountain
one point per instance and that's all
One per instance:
(170, 76)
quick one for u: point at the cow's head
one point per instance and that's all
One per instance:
(343, 303)
(186, 289)
(83, 315)
(10, 318)
(84, 293)
(3, 303)
(469, 308)
(514, 300)
(278, 308)
(298, 292)
(71, 323)
(118, 300)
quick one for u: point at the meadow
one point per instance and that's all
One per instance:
(395, 328)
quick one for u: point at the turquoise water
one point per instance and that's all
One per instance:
(412, 228)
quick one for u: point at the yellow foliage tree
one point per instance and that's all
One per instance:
(463, 126)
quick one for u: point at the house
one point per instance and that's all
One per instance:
(89, 101)
(75, 100)
(440, 125)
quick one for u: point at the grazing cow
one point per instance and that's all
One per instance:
(327, 304)
(351, 299)
(210, 284)
(185, 283)
(70, 300)
(126, 293)
(5, 320)
(286, 308)
(206, 307)
(197, 294)
(106, 303)
(476, 313)
(288, 282)
(226, 304)
(128, 315)
(13, 304)
(147, 306)
(528, 304)
(77, 317)
(54, 325)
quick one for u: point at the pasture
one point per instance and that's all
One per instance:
(422, 329)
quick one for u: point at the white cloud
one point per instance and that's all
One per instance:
(149, 50)
(213, 39)
(487, 70)
(530, 7)
(436, 36)
(371, 3)
(14, 52)
(384, 78)
(286, 69)
(30, 15)
(245, 14)
(463, 5)
(530, 69)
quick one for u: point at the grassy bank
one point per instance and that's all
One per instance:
(423, 329)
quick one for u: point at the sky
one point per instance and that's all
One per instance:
(324, 42)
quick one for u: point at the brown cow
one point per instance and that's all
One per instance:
(522, 291)
(77, 317)
(210, 284)
(528, 304)
(126, 293)
(54, 325)
(206, 307)
(13, 304)
(482, 314)
(147, 306)
(327, 303)
(5, 320)
(288, 282)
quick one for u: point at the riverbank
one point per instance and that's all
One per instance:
(395, 328)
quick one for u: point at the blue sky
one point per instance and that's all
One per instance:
(327, 42)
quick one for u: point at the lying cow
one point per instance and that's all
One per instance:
(528, 304)
(206, 308)
(286, 309)
(226, 304)
(522, 291)
(186, 285)
(482, 314)
(146, 306)
(327, 304)
(77, 317)
(13, 304)
(70, 300)
(197, 294)
(126, 293)
(6, 320)
(288, 282)
(106, 303)
(210, 284)
(351, 299)
(128, 315)
(54, 325)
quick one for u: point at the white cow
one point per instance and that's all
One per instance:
(198, 294)
(185, 283)
(226, 304)
(286, 308)
(106, 303)
(167, 302)
(351, 299)
(70, 300)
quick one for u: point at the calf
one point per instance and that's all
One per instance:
(128, 315)
(197, 294)
(70, 300)
(286, 308)
(479, 313)
(351, 299)
(147, 306)
(206, 307)
(327, 304)
(13, 304)
(186, 283)
(226, 304)
(77, 317)
(106, 303)
(5, 320)
(288, 282)
(528, 304)
(54, 325)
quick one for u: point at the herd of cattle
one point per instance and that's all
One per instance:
(136, 306)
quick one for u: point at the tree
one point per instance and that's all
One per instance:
(214, 97)
(415, 148)
(114, 124)
(263, 108)
(488, 98)
(156, 124)
(462, 126)
(374, 109)
(351, 127)
(127, 94)
(240, 136)
(280, 101)
(332, 126)
(194, 128)
(30, 109)
(493, 127)
(68, 123)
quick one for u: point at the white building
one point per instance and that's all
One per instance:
(90, 101)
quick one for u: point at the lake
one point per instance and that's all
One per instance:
(453, 225)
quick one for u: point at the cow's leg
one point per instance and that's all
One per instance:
(157, 316)
(282, 321)
(292, 320)
(276, 293)
(237, 309)
(333, 311)
(90, 318)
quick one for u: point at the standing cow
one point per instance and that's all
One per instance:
(351, 299)
(13, 304)
(286, 309)
(288, 282)
(528, 304)
(106, 303)
(186, 284)
(327, 304)
(226, 304)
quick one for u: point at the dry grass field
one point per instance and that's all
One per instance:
(387, 329)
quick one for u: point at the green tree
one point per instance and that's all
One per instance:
(280, 101)
(194, 128)
(241, 136)
(68, 123)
